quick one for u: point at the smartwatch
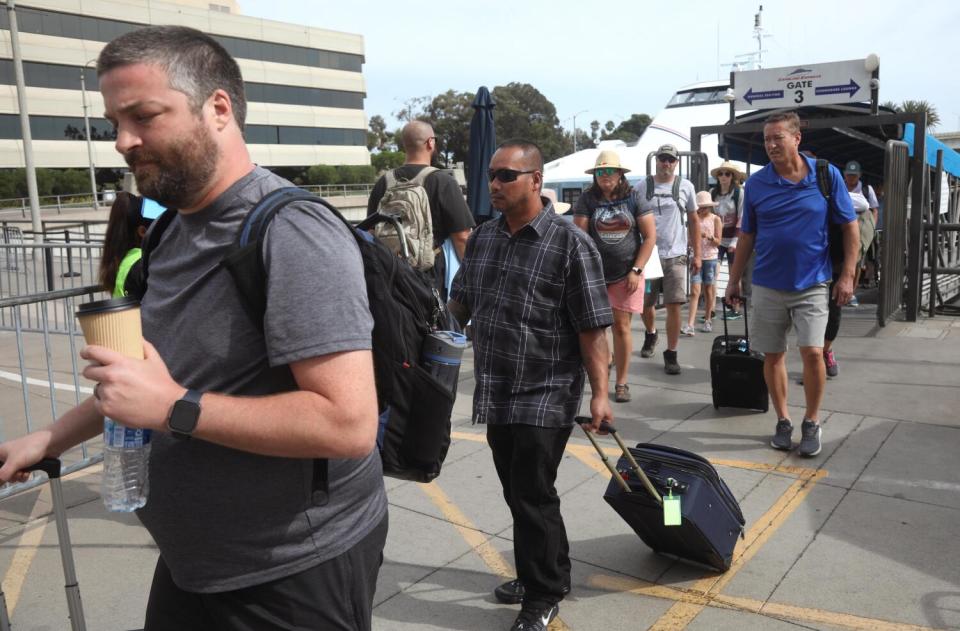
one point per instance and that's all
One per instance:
(637, 270)
(184, 415)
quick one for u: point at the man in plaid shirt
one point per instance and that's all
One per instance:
(534, 287)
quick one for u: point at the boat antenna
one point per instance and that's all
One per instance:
(754, 60)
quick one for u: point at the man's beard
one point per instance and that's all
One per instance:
(178, 174)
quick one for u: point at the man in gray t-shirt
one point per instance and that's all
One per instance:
(672, 245)
(241, 410)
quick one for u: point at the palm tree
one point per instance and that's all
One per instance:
(910, 106)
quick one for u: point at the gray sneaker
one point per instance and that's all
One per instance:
(809, 438)
(783, 438)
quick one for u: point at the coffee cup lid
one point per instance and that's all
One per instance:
(111, 304)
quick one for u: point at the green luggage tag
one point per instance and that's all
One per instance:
(671, 509)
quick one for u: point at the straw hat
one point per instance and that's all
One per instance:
(729, 166)
(607, 159)
(704, 200)
(558, 207)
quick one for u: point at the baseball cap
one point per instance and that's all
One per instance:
(853, 168)
(668, 150)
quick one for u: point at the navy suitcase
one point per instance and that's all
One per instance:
(711, 517)
(736, 371)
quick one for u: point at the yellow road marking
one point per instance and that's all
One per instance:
(476, 539)
(620, 584)
(29, 542)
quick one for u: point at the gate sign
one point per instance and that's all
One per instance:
(796, 86)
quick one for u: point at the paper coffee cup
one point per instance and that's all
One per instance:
(113, 323)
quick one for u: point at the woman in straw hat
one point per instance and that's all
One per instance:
(710, 229)
(610, 213)
(728, 193)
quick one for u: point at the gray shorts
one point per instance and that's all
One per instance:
(774, 311)
(672, 285)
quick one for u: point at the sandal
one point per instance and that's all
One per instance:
(622, 393)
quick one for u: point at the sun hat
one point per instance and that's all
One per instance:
(729, 166)
(668, 150)
(558, 207)
(853, 168)
(607, 159)
(704, 200)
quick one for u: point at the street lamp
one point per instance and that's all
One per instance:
(575, 129)
(86, 125)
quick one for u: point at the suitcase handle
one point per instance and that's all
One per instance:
(50, 466)
(746, 323)
(610, 429)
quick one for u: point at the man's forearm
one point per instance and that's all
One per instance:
(693, 229)
(596, 354)
(744, 250)
(851, 247)
(78, 424)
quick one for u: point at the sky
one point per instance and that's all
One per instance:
(629, 57)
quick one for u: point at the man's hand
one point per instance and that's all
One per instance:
(843, 290)
(733, 293)
(136, 392)
(600, 410)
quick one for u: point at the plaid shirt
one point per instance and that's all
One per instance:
(529, 295)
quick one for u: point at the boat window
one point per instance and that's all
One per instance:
(697, 97)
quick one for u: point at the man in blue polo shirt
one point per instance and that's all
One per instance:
(785, 220)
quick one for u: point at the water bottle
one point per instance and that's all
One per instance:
(126, 454)
(440, 355)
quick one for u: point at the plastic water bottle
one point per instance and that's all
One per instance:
(441, 353)
(126, 455)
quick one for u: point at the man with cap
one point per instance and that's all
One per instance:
(863, 198)
(669, 199)
(786, 221)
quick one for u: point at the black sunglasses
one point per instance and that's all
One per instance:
(506, 175)
(666, 158)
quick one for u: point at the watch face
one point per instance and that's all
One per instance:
(184, 416)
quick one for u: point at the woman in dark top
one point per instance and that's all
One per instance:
(610, 213)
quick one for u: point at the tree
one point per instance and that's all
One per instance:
(910, 107)
(523, 112)
(355, 174)
(386, 160)
(378, 136)
(628, 130)
(322, 174)
(450, 114)
(594, 130)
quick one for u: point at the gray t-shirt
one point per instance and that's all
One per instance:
(226, 519)
(671, 227)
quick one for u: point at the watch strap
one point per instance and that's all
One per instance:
(193, 396)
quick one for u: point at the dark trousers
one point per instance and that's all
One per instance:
(527, 458)
(337, 594)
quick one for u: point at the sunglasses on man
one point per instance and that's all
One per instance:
(605, 171)
(506, 176)
(666, 158)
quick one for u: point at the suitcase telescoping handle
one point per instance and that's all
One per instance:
(51, 466)
(746, 323)
(634, 465)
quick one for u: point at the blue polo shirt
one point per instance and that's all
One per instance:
(790, 222)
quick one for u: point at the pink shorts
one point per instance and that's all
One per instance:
(622, 300)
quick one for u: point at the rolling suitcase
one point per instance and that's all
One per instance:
(710, 516)
(51, 466)
(736, 371)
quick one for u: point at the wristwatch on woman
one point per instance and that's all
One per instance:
(637, 270)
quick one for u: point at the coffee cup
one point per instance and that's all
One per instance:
(113, 323)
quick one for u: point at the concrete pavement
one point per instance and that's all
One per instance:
(863, 536)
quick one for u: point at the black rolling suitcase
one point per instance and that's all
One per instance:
(736, 372)
(711, 519)
(51, 466)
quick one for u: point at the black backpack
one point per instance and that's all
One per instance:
(834, 231)
(415, 408)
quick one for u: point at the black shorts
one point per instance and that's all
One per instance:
(336, 595)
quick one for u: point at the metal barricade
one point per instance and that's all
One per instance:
(893, 247)
(47, 371)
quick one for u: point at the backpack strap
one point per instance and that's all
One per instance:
(649, 186)
(675, 193)
(736, 195)
(824, 178)
(245, 264)
(156, 231)
(391, 178)
(421, 177)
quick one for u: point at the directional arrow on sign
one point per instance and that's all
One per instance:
(752, 96)
(851, 87)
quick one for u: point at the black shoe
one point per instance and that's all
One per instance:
(649, 342)
(535, 619)
(511, 592)
(670, 365)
